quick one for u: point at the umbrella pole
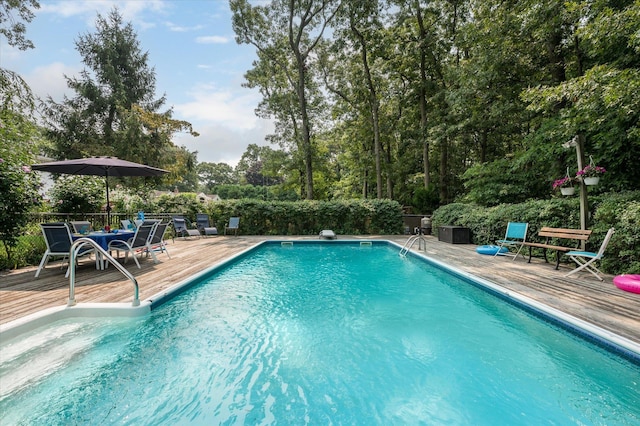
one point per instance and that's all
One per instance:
(106, 178)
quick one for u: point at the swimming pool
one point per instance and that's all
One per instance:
(320, 333)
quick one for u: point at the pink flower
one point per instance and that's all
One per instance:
(564, 182)
(26, 169)
(591, 171)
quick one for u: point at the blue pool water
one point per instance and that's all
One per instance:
(319, 334)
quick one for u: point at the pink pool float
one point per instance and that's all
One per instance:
(628, 282)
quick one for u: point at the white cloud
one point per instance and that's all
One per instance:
(130, 10)
(49, 80)
(212, 40)
(221, 144)
(226, 107)
(180, 29)
(226, 122)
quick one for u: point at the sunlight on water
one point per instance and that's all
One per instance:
(329, 334)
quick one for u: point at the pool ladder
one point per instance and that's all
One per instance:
(422, 244)
(106, 257)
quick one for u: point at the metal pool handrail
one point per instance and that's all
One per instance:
(75, 249)
(411, 241)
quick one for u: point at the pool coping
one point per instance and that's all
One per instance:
(609, 340)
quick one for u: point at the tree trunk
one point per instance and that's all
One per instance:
(444, 153)
(307, 153)
(374, 109)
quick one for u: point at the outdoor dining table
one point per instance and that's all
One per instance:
(103, 238)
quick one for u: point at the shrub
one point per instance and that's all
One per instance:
(18, 195)
(78, 194)
(620, 211)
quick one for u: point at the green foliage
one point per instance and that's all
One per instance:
(425, 200)
(78, 194)
(18, 185)
(236, 192)
(503, 181)
(620, 211)
(114, 111)
(27, 251)
(308, 217)
(131, 201)
(184, 203)
(14, 33)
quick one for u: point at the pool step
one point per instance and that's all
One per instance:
(29, 360)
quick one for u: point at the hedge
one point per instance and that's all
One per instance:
(620, 211)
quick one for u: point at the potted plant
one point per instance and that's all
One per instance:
(565, 184)
(590, 175)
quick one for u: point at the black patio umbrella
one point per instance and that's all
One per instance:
(100, 166)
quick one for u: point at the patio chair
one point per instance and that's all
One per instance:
(57, 237)
(140, 243)
(233, 225)
(81, 226)
(515, 237)
(181, 229)
(127, 224)
(205, 228)
(157, 239)
(586, 259)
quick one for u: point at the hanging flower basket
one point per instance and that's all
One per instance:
(590, 181)
(591, 174)
(565, 184)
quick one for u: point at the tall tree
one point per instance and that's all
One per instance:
(286, 32)
(114, 111)
(211, 175)
(12, 28)
(14, 90)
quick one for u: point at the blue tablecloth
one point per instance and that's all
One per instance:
(103, 238)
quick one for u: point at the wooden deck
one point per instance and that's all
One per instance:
(600, 303)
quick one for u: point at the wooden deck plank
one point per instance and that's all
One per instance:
(600, 303)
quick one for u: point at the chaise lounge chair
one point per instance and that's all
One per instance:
(205, 228)
(181, 229)
(515, 237)
(586, 259)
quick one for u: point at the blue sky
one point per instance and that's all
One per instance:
(191, 45)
